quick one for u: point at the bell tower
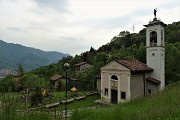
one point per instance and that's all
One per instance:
(155, 49)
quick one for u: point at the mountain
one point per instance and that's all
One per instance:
(13, 54)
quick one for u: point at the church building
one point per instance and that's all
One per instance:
(123, 80)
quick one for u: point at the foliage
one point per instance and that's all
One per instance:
(61, 86)
(123, 46)
(8, 111)
(7, 84)
(32, 81)
(36, 98)
(21, 69)
(172, 62)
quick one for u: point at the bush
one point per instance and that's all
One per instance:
(36, 98)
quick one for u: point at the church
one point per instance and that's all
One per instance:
(123, 80)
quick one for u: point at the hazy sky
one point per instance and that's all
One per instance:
(73, 26)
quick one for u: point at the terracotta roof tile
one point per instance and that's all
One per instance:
(55, 77)
(153, 80)
(135, 65)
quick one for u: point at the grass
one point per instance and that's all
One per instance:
(12, 109)
(61, 95)
(8, 111)
(164, 105)
(56, 96)
(87, 102)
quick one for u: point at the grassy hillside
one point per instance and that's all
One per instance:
(161, 106)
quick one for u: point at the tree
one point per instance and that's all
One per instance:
(123, 33)
(7, 84)
(21, 69)
(92, 50)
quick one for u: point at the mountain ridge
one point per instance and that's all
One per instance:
(13, 54)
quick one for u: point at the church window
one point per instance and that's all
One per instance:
(114, 77)
(123, 95)
(106, 92)
(153, 38)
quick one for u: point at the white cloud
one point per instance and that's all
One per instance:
(73, 26)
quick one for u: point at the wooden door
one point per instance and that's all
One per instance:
(114, 96)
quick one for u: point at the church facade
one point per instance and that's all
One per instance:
(123, 80)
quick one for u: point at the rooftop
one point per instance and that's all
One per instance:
(155, 22)
(55, 77)
(153, 80)
(79, 64)
(135, 65)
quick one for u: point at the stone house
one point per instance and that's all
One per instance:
(82, 66)
(54, 79)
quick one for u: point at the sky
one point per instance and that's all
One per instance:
(73, 26)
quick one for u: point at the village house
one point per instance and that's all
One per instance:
(123, 80)
(54, 79)
(82, 66)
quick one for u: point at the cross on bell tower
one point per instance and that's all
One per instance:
(155, 49)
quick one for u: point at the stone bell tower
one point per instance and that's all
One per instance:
(155, 49)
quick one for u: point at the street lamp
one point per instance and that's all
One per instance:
(66, 66)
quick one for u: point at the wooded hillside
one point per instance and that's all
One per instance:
(123, 46)
(126, 45)
(13, 54)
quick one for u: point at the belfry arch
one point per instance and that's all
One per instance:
(153, 38)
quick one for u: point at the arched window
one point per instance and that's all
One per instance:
(114, 77)
(153, 38)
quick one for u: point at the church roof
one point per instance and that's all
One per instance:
(153, 80)
(155, 22)
(135, 65)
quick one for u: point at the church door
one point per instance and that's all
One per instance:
(114, 96)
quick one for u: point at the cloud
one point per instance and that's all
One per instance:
(71, 45)
(170, 4)
(58, 5)
(17, 29)
(73, 26)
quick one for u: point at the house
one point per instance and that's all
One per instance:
(82, 66)
(123, 80)
(54, 79)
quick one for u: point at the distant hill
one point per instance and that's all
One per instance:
(13, 54)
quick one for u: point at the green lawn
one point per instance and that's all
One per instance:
(164, 105)
(87, 102)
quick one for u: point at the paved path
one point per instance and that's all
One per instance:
(55, 104)
(69, 112)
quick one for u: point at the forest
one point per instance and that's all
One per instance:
(125, 45)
